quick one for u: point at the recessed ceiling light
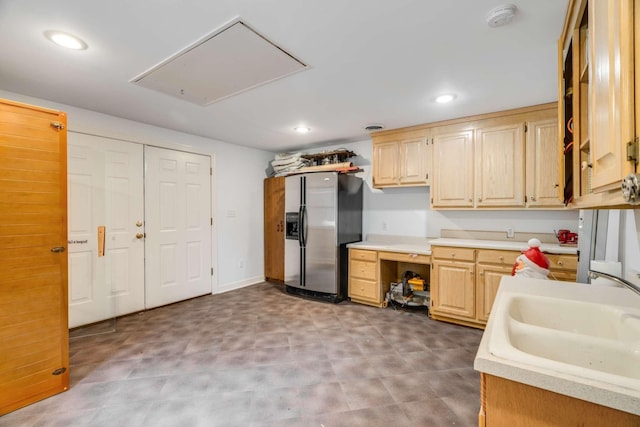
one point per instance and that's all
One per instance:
(447, 97)
(65, 40)
(302, 129)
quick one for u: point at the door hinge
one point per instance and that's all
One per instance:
(632, 150)
(57, 125)
(212, 271)
(211, 171)
(525, 128)
(211, 220)
(426, 176)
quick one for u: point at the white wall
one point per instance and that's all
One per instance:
(406, 212)
(237, 187)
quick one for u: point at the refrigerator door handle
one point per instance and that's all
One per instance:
(303, 226)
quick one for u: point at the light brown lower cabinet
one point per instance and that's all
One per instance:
(465, 281)
(363, 278)
(34, 335)
(506, 403)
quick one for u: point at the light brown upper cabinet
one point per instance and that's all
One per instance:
(598, 100)
(542, 174)
(503, 160)
(34, 337)
(500, 171)
(401, 160)
(453, 171)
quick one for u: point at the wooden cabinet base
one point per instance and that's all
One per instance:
(371, 303)
(509, 403)
(463, 322)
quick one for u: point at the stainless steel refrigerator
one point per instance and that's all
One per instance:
(323, 213)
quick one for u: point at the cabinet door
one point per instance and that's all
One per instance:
(453, 170)
(542, 163)
(452, 288)
(385, 164)
(489, 277)
(34, 336)
(413, 155)
(274, 228)
(611, 33)
(500, 172)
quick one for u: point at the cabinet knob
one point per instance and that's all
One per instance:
(479, 199)
(453, 255)
(501, 258)
(560, 263)
(533, 198)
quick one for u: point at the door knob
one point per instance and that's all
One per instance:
(138, 223)
(139, 235)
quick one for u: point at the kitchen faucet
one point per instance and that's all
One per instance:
(620, 281)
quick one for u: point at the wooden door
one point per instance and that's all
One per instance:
(274, 229)
(453, 170)
(500, 166)
(34, 338)
(385, 164)
(413, 155)
(489, 277)
(542, 163)
(612, 99)
(452, 288)
(178, 225)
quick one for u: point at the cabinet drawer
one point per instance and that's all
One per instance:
(365, 289)
(497, 257)
(362, 269)
(563, 262)
(447, 252)
(405, 257)
(363, 255)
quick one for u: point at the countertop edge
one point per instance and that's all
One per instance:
(503, 245)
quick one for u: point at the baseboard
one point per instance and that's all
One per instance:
(222, 288)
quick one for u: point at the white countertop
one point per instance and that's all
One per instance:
(425, 248)
(583, 387)
(503, 245)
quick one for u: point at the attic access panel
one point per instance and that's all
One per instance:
(231, 60)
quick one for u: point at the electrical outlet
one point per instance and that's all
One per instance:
(510, 233)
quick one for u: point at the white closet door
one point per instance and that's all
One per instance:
(105, 188)
(178, 226)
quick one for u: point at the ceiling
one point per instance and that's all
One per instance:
(368, 61)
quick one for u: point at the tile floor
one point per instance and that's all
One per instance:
(259, 357)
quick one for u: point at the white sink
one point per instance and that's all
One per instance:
(567, 332)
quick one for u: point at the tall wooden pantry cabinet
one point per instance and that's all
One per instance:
(34, 337)
(274, 229)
